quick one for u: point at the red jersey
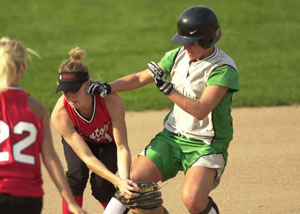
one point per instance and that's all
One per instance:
(97, 129)
(21, 140)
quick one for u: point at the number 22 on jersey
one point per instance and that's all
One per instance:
(21, 145)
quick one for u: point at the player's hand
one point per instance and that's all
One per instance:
(99, 88)
(128, 188)
(160, 78)
(76, 209)
(149, 201)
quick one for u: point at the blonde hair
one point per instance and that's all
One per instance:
(12, 59)
(74, 64)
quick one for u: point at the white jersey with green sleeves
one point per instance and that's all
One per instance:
(190, 79)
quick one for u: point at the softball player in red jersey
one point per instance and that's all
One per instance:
(24, 135)
(93, 133)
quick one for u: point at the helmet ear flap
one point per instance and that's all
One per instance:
(206, 44)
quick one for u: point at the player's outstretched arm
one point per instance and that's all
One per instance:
(51, 160)
(120, 133)
(126, 83)
(132, 81)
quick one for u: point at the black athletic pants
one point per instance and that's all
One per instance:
(20, 205)
(78, 173)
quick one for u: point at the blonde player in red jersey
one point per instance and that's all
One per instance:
(94, 135)
(24, 135)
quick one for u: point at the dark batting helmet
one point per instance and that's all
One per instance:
(198, 23)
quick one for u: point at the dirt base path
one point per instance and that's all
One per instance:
(262, 174)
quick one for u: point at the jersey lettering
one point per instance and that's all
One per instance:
(21, 145)
(100, 134)
(4, 134)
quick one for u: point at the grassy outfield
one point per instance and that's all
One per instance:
(120, 37)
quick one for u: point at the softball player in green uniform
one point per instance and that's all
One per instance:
(198, 129)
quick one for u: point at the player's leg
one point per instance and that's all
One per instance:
(102, 189)
(203, 165)
(153, 164)
(198, 182)
(77, 175)
(143, 170)
(160, 162)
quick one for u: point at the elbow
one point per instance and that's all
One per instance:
(87, 159)
(200, 115)
(89, 165)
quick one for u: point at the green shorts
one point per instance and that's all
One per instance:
(172, 153)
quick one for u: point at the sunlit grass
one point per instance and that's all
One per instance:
(120, 37)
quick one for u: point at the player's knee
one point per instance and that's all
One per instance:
(103, 191)
(194, 206)
(144, 169)
(192, 202)
(206, 206)
(134, 176)
(77, 186)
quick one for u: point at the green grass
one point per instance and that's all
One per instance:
(120, 37)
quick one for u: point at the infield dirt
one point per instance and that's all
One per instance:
(262, 175)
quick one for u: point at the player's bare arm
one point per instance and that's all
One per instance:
(210, 98)
(127, 83)
(120, 133)
(132, 81)
(50, 158)
(65, 127)
(120, 136)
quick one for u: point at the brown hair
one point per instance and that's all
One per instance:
(74, 64)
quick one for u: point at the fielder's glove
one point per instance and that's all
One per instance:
(149, 199)
(99, 88)
(160, 78)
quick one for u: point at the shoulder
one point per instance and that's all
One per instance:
(224, 58)
(226, 69)
(113, 100)
(115, 106)
(168, 60)
(37, 108)
(225, 76)
(59, 111)
(61, 119)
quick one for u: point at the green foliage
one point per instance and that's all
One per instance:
(120, 37)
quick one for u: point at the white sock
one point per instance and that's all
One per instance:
(114, 207)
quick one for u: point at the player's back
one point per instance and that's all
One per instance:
(20, 145)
